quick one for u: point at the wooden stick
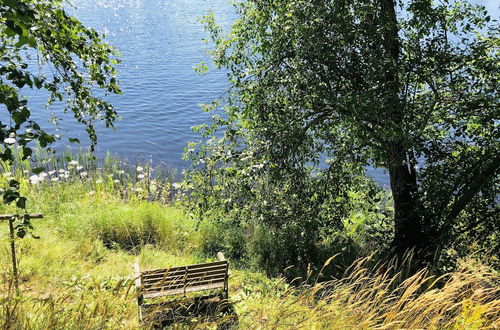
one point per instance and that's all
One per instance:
(32, 216)
(13, 254)
(11, 218)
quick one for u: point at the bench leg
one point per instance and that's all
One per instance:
(140, 300)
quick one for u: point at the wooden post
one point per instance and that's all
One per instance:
(11, 218)
(138, 287)
(13, 254)
(221, 257)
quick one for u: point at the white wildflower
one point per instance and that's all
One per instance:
(176, 185)
(83, 174)
(61, 171)
(66, 175)
(54, 179)
(73, 163)
(52, 172)
(140, 176)
(6, 174)
(29, 131)
(98, 181)
(9, 140)
(116, 181)
(12, 135)
(79, 168)
(43, 175)
(120, 172)
(139, 169)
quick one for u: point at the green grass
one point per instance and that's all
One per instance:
(89, 239)
(79, 274)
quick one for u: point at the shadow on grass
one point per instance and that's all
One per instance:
(191, 312)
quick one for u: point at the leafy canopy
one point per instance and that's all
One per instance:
(410, 86)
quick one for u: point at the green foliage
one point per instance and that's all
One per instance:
(70, 277)
(274, 221)
(407, 86)
(78, 60)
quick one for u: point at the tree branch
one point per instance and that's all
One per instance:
(481, 176)
(480, 221)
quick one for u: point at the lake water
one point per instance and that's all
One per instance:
(160, 42)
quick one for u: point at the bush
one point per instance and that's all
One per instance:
(294, 221)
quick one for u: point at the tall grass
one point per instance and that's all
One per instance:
(464, 299)
(382, 298)
(78, 275)
(133, 180)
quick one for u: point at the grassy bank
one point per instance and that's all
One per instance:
(78, 275)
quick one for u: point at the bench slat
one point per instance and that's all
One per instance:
(180, 291)
(188, 274)
(183, 281)
(190, 267)
(180, 285)
(208, 264)
(170, 286)
(191, 282)
(179, 273)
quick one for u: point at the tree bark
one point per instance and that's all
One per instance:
(407, 227)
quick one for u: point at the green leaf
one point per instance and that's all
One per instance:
(32, 42)
(21, 202)
(38, 170)
(9, 196)
(14, 184)
(21, 232)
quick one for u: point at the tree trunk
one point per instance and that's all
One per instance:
(407, 227)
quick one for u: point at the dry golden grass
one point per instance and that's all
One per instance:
(366, 298)
(379, 298)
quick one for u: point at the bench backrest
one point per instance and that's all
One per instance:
(181, 280)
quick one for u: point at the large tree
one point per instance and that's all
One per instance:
(410, 86)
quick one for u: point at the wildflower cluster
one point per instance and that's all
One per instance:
(136, 181)
(74, 170)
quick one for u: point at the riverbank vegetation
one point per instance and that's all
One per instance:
(79, 273)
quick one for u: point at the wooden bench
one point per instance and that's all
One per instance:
(181, 280)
